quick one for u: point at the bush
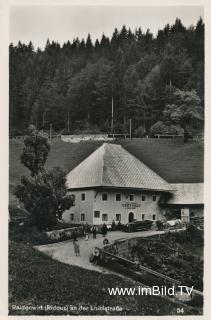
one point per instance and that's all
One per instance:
(139, 132)
(27, 234)
(89, 129)
(162, 128)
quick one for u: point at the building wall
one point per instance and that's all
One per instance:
(96, 209)
(125, 206)
(81, 206)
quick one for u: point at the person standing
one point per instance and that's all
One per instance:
(104, 230)
(76, 247)
(94, 231)
(86, 231)
(113, 225)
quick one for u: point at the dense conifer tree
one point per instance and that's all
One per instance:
(80, 77)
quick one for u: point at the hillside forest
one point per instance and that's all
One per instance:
(157, 81)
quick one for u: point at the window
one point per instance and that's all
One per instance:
(154, 198)
(143, 216)
(143, 198)
(118, 217)
(104, 197)
(104, 217)
(72, 217)
(83, 196)
(73, 199)
(82, 216)
(96, 214)
(118, 197)
(154, 217)
(131, 197)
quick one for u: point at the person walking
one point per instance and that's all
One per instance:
(76, 247)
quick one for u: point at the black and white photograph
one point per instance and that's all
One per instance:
(106, 160)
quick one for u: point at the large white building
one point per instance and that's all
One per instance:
(111, 184)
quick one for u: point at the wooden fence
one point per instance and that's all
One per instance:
(144, 270)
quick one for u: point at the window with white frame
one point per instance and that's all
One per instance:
(104, 196)
(118, 197)
(82, 216)
(104, 217)
(83, 197)
(118, 216)
(96, 214)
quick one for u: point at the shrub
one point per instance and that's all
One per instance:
(162, 128)
(139, 132)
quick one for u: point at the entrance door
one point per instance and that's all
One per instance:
(131, 217)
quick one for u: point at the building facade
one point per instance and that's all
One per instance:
(98, 206)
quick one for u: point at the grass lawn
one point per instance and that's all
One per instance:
(35, 279)
(173, 160)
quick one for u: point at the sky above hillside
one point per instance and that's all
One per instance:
(62, 23)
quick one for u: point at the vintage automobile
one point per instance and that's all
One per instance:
(138, 226)
(173, 224)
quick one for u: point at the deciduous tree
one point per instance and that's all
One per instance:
(35, 152)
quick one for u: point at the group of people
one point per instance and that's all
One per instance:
(115, 226)
(86, 230)
(93, 229)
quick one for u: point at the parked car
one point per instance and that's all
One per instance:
(173, 224)
(138, 226)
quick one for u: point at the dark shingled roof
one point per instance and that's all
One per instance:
(112, 166)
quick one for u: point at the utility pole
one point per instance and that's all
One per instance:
(112, 115)
(170, 86)
(124, 124)
(43, 118)
(130, 128)
(50, 131)
(144, 120)
(68, 122)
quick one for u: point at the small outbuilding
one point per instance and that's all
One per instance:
(186, 201)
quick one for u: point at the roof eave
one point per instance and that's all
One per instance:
(118, 187)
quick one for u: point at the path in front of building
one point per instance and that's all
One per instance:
(64, 251)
